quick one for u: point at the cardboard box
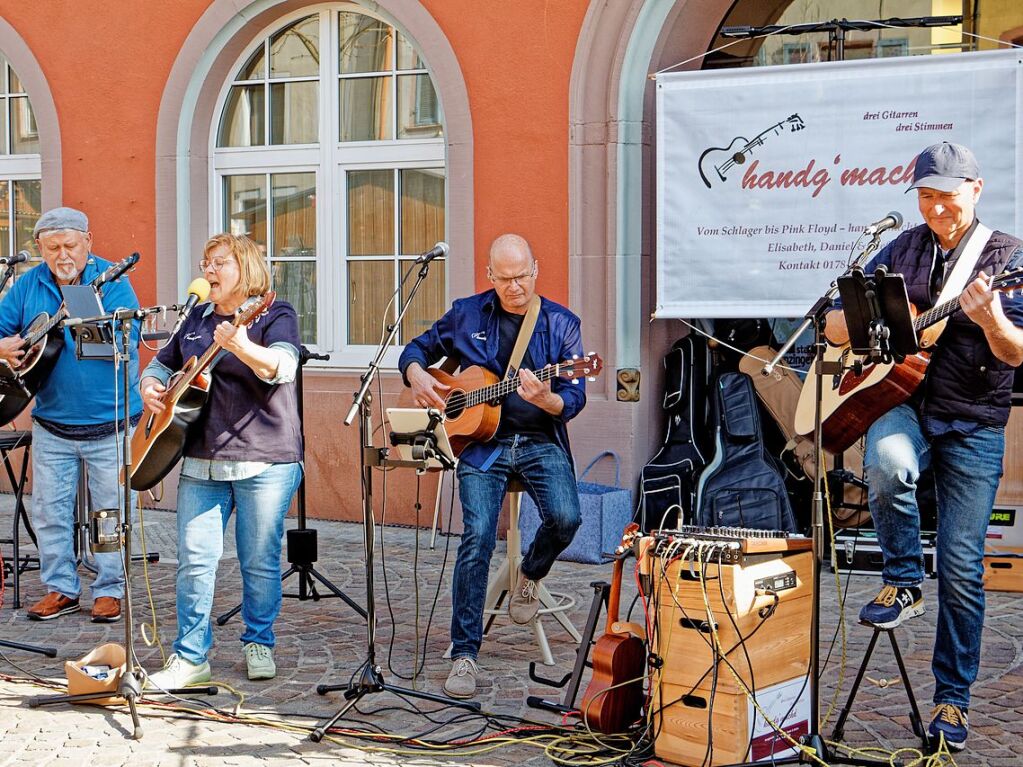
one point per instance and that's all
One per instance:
(80, 683)
(683, 721)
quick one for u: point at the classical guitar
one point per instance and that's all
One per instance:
(44, 341)
(472, 408)
(159, 439)
(863, 391)
(614, 696)
(723, 158)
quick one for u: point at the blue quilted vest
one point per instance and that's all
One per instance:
(964, 379)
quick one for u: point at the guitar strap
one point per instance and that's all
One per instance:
(525, 333)
(962, 270)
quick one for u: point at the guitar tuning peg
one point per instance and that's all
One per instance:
(591, 379)
(575, 381)
(575, 356)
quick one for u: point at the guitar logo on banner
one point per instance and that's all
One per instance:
(723, 159)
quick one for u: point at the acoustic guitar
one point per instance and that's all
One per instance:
(472, 408)
(863, 391)
(44, 341)
(613, 699)
(159, 439)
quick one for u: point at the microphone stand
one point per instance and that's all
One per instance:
(130, 688)
(369, 678)
(814, 740)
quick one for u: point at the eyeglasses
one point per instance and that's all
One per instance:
(216, 263)
(518, 280)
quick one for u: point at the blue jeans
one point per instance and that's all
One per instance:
(204, 508)
(546, 471)
(967, 470)
(54, 488)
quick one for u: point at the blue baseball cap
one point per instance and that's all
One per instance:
(944, 167)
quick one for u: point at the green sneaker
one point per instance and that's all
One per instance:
(178, 673)
(259, 659)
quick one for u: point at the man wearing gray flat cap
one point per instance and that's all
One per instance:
(75, 416)
(953, 423)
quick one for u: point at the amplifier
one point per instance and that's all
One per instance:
(1005, 528)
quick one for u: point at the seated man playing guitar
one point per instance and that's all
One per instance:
(76, 413)
(530, 444)
(954, 423)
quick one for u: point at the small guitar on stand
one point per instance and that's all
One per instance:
(472, 407)
(44, 341)
(613, 699)
(159, 439)
(864, 391)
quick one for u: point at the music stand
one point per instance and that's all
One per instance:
(418, 435)
(877, 315)
(94, 339)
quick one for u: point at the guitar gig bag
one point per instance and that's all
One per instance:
(742, 486)
(668, 481)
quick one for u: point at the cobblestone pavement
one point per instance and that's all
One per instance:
(323, 642)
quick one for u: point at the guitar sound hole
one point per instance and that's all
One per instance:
(454, 404)
(738, 158)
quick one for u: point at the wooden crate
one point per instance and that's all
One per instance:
(1005, 572)
(775, 646)
(683, 723)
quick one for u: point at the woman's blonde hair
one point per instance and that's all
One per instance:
(254, 276)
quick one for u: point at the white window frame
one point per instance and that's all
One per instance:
(16, 167)
(332, 155)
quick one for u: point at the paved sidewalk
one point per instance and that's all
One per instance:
(323, 642)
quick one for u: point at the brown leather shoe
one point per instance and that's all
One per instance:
(53, 605)
(106, 610)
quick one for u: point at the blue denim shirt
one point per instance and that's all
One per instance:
(78, 392)
(469, 333)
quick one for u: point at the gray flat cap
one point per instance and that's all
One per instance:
(59, 219)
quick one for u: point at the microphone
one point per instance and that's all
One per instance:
(198, 290)
(115, 271)
(892, 221)
(21, 257)
(440, 249)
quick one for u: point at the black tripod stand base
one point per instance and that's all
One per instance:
(372, 681)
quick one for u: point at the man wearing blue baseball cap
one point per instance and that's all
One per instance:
(954, 422)
(75, 415)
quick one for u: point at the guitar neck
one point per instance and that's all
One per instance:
(201, 364)
(507, 386)
(936, 314)
(615, 594)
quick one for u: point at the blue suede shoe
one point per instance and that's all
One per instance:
(950, 722)
(892, 606)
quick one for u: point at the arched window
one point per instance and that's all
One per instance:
(20, 168)
(328, 150)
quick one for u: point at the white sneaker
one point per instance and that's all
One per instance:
(178, 673)
(259, 661)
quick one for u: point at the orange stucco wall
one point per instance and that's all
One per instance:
(107, 64)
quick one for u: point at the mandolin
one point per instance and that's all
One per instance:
(472, 409)
(159, 439)
(614, 696)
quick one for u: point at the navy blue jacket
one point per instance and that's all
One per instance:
(469, 333)
(965, 381)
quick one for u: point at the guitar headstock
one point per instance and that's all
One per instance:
(1008, 281)
(255, 309)
(630, 535)
(795, 122)
(587, 366)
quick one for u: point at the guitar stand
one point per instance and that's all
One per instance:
(302, 546)
(914, 717)
(601, 591)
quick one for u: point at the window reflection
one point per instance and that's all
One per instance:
(295, 50)
(242, 123)
(366, 109)
(365, 44)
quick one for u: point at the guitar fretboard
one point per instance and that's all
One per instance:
(502, 388)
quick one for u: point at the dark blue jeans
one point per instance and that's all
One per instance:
(966, 474)
(546, 471)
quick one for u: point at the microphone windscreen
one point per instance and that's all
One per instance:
(199, 287)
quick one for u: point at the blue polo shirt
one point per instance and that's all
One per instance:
(77, 392)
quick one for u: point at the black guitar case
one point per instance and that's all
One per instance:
(668, 481)
(742, 486)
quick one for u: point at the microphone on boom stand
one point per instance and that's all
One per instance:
(198, 291)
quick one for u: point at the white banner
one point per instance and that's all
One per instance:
(767, 176)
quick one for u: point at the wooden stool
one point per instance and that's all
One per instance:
(501, 584)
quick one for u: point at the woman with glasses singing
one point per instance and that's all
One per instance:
(244, 454)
